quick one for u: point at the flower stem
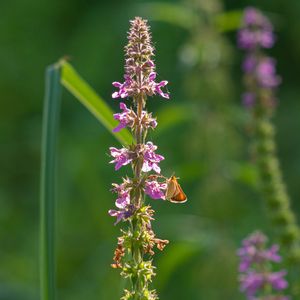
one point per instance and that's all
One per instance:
(273, 187)
(138, 283)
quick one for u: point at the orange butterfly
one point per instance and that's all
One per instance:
(174, 192)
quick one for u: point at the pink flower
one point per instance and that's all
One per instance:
(122, 203)
(155, 189)
(126, 118)
(151, 159)
(256, 267)
(123, 87)
(159, 91)
(251, 283)
(122, 214)
(121, 157)
(277, 280)
(266, 73)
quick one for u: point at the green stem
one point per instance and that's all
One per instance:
(137, 251)
(273, 187)
(47, 196)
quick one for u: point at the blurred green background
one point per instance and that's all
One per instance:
(202, 132)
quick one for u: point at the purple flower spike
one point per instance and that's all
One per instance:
(260, 75)
(140, 72)
(138, 239)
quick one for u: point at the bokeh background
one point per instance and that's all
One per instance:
(202, 133)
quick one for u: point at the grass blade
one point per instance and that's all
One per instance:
(96, 105)
(47, 197)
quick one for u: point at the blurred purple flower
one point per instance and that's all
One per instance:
(260, 71)
(277, 280)
(256, 31)
(256, 267)
(266, 73)
(251, 283)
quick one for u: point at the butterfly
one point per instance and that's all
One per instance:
(174, 192)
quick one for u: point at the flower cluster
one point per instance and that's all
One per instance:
(257, 31)
(128, 117)
(257, 279)
(145, 152)
(125, 208)
(136, 245)
(138, 61)
(260, 70)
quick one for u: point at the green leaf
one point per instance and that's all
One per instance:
(47, 197)
(80, 89)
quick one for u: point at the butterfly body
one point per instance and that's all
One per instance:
(174, 192)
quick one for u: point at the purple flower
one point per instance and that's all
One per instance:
(271, 254)
(123, 87)
(126, 118)
(151, 159)
(252, 16)
(251, 283)
(257, 31)
(159, 91)
(155, 189)
(147, 121)
(256, 267)
(122, 203)
(266, 73)
(122, 157)
(121, 214)
(253, 251)
(277, 280)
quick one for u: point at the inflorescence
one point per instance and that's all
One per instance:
(260, 70)
(135, 248)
